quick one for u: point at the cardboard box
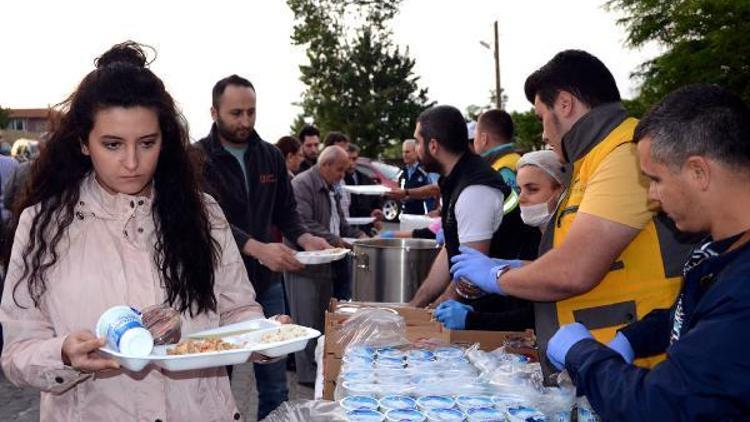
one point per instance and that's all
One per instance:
(420, 327)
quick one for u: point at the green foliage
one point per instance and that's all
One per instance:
(358, 81)
(707, 41)
(528, 130)
(4, 117)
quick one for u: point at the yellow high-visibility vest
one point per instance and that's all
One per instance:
(637, 282)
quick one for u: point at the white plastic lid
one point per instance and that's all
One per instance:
(136, 342)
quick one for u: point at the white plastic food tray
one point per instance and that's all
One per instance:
(320, 257)
(251, 341)
(367, 189)
(359, 221)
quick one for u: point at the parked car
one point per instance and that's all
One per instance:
(386, 175)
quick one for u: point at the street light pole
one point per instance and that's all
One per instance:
(498, 100)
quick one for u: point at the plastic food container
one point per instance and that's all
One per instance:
(473, 402)
(449, 353)
(361, 350)
(405, 415)
(389, 352)
(123, 328)
(486, 414)
(389, 363)
(524, 414)
(397, 401)
(420, 354)
(504, 401)
(445, 415)
(359, 402)
(364, 415)
(392, 376)
(359, 375)
(358, 361)
(359, 389)
(435, 402)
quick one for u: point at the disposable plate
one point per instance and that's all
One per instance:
(321, 257)
(367, 189)
(359, 221)
(250, 343)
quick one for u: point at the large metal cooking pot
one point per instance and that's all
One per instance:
(390, 270)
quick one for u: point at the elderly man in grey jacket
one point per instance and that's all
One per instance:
(310, 289)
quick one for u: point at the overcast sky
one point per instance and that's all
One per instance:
(48, 46)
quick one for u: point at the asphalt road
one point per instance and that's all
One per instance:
(22, 404)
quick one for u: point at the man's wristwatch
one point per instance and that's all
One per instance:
(500, 270)
(406, 193)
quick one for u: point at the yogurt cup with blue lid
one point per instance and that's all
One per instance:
(449, 352)
(359, 375)
(524, 414)
(359, 402)
(405, 415)
(445, 415)
(435, 402)
(473, 402)
(398, 401)
(361, 350)
(389, 352)
(386, 362)
(354, 361)
(364, 415)
(485, 414)
(420, 354)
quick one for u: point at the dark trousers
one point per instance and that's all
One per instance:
(342, 278)
(270, 379)
(309, 292)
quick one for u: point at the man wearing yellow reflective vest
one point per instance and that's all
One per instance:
(493, 141)
(608, 257)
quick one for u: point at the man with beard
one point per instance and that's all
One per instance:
(248, 178)
(310, 138)
(466, 180)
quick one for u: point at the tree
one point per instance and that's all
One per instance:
(358, 81)
(4, 117)
(528, 130)
(707, 41)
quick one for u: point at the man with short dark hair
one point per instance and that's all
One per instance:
(466, 181)
(607, 257)
(248, 178)
(493, 140)
(310, 138)
(694, 146)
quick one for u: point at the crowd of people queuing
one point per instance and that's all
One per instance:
(587, 242)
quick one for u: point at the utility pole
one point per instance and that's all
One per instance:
(498, 100)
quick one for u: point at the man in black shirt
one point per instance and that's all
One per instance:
(248, 178)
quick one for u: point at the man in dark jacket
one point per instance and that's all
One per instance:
(694, 146)
(248, 178)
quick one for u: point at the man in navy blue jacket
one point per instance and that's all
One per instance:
(694, 146)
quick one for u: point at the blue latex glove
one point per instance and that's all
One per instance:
(565, 338)
(480, 269)
(452, 314)
(621, 345)
(387, 234)
(440, 237)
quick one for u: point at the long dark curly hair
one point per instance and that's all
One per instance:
(186, 253)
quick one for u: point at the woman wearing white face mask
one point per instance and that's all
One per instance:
(541, 178)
